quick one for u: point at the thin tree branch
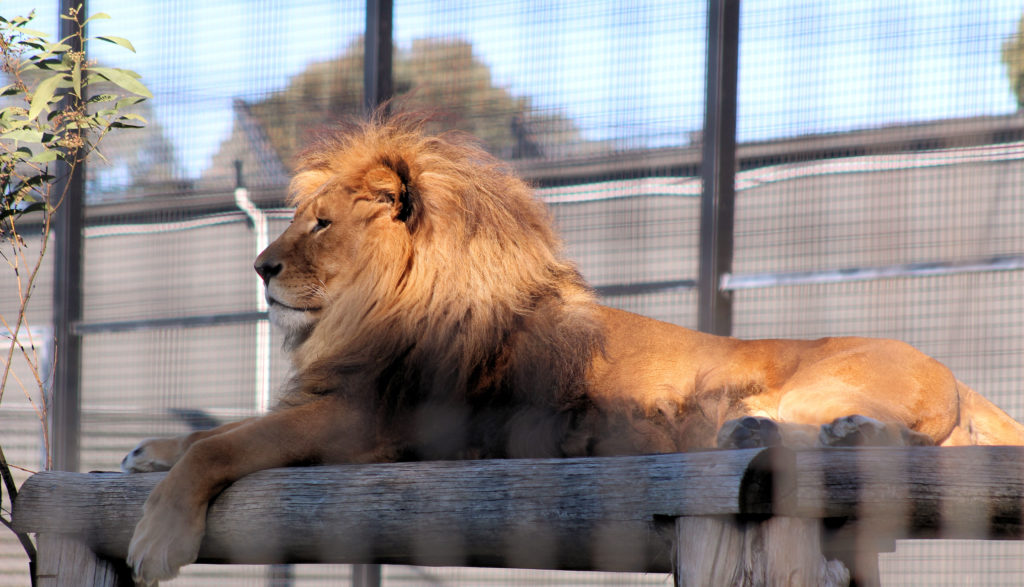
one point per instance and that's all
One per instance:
(12, 494)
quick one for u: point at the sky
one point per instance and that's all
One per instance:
(631, 72)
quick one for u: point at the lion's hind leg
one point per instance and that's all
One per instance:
(854, 430)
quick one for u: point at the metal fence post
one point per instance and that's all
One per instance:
(718, 167)
(377, 89)
(65, 399)
(377, 79)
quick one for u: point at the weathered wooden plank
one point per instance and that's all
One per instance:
(538, 513)
(65, 561)
(922, 492)
(561, 513)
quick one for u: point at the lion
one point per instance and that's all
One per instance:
(430, 313)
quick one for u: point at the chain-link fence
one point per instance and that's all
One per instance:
(879, 192)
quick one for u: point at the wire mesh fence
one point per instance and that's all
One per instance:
(881, 161)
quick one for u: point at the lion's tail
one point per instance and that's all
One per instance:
(982, 422)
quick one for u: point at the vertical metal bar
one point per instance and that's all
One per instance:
(718, 167)
(366, 576)
(377, 79)
(377, 89)
(66, 402)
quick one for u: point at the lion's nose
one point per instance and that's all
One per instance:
(267, 269)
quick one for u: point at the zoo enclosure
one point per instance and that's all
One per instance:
(887, 223)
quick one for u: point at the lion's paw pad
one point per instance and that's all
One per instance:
(863, 431)
(749, 432)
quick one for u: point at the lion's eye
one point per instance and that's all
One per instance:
(321, 223)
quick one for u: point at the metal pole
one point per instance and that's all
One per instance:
(377, 89)
(377, 82)
(718, 167)
(366, 576)
(65, 401)
(259, 226)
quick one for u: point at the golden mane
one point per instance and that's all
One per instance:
(469, 281)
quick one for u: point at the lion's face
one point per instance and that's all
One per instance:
(344, 227)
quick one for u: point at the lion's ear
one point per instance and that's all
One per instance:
(391, 186)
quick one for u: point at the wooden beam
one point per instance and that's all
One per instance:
(600, 514)
(921, 492)
(620, 513)
(65, 561)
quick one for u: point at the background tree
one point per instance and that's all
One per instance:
(1013, 59)
(441, 76)
(142, 160)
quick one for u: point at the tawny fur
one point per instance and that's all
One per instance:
(430, 313)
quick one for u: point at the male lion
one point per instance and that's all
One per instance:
(430, 314)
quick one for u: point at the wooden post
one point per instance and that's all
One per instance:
(717, 550)
(65, 561)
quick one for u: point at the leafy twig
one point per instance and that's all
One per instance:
(54, 120)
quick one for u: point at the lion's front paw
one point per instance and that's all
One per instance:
(863, 431)
(152, 454)
(749, 432)
(165, 539)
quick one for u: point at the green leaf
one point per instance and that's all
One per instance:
(24, 134)
(33, 207)
(97, 16)
(45, 157)
(124, 79)
(11, 119)
(52, 48)
(29, 32)
(100, 98)
(76, 79)
(51, 64)
(128, 101)
(33, 44)
(118, 41)
(85, 125)
(44, 94)
(36, 180)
